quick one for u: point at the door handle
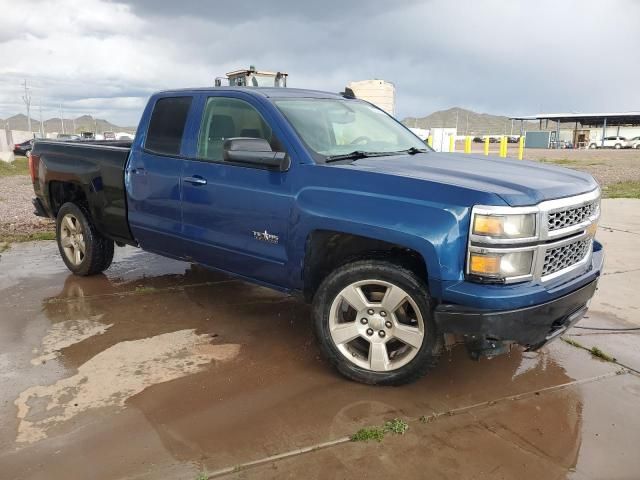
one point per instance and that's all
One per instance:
(195, 180)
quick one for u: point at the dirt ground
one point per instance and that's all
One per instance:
(160, 369)
(16, 210)
(608, 166)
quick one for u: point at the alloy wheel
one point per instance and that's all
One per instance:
(376, 325)
(72, 239)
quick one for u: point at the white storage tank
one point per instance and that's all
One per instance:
(379, 92)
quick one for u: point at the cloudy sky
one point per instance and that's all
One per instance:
(507, 57)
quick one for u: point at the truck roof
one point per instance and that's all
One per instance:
(268, 92)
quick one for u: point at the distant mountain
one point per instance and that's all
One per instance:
(468, 122)
(85, 123)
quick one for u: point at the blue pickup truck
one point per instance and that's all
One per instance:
(401, 251)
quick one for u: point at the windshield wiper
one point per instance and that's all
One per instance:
(355, 155)
(413, 150)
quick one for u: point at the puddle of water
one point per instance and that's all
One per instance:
(114, 375)
(67, 333)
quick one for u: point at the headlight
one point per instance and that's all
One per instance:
(500, 265)
(505, 226)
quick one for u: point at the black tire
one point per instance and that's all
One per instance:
(593, 146)
(98, 253)
(428, 354)
(618, 146)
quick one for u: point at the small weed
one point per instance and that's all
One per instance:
(628, 189)
(19, 166)
(396, 426)
(366, 434)
(202, 476)
(144, 290)
(596, 352)
(429, 419)
(27, 237)
(557, 161)
(4, 246)
(572, 342)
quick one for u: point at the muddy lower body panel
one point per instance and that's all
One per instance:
(489, 333)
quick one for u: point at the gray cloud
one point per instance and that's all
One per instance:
(500, 57)
(241, 12)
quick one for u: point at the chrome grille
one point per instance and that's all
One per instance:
(559, 258)
(570, 216)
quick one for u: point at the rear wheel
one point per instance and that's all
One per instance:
(593, 146)
(83, 249)
(618, 146)
(374, 322)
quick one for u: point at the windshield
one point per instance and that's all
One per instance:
(334, 127)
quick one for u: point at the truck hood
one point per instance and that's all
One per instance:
(517, 182)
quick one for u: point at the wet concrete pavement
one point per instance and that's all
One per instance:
(160, 369)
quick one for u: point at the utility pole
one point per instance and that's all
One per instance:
(26, 98)
(42, 134)
(61, 119)
(466, 131)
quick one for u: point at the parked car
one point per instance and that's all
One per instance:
(634, 142)
(478, 140)
(67, 136)
(401, 251)
(616, 142)
(23, 148)
(109, 135)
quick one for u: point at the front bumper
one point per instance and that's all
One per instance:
(486, 332)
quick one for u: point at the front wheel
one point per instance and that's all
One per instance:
(84, 250)
(618, 146)
(374, 323)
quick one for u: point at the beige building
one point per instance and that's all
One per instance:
(379, 92)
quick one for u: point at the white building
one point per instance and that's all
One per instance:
(379, 92)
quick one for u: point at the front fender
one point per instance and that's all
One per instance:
(436, 231)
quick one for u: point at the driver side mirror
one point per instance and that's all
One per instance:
(255, 152)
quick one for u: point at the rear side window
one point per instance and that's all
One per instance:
(167, 125)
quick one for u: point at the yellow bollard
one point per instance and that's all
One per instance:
(430, 141)
(503, 146)
(521, 148)
(452, 143)
(486, 145)
(467, 145)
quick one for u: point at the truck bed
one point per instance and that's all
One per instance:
(95, 168)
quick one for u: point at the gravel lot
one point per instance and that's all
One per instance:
(16, 211)
(607, 166)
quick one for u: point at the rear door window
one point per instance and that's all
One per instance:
(167, 125)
